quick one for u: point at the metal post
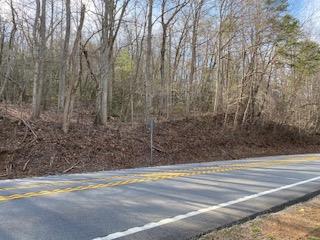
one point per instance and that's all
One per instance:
(151, 140)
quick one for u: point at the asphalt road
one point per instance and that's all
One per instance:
(169, 202)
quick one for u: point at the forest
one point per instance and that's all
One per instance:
(138, 59)
(113, 64)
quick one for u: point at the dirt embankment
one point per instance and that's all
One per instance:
(299, 222)
(41, 148)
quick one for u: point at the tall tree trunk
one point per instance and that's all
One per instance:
(194, 41)
(64, 57)
(148, 75)
(49, 58)
(162, 67)
(40, 46)
(105, 74)
(110, 29)
(170, 78)
(239, 100)
(165, 23)
(76, 73)
(11, 55)
(218, 99)
(110, 85)
(2, 32)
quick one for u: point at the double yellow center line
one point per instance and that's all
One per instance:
(140, 178)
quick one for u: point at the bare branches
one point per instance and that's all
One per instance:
(11, 58)
(245, 60)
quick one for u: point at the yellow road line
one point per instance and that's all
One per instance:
(33, 185)
(150, 177)
(57, 183)
(169, 171)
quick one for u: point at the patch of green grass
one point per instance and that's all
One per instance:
(255, 229)
(315, 234)
(313, 238)
(271, 237)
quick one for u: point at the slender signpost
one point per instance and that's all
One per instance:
(151, 128)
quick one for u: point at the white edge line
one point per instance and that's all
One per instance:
(200, 211)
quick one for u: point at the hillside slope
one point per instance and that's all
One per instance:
(41, 148)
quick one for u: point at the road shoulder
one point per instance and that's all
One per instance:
(301, 221)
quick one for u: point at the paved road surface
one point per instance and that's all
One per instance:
(170, 202)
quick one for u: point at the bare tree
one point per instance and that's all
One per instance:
(2, 34)
(244, 59)
(196, 18)
(64, 57)
(11, 55)
(218, 99)
(165, 23)
(75, 73)
(110, 29)
(39, 41)
(148, 74)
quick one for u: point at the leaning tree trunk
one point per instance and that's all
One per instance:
(75, 76)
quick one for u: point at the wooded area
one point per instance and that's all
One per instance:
(248, 60)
